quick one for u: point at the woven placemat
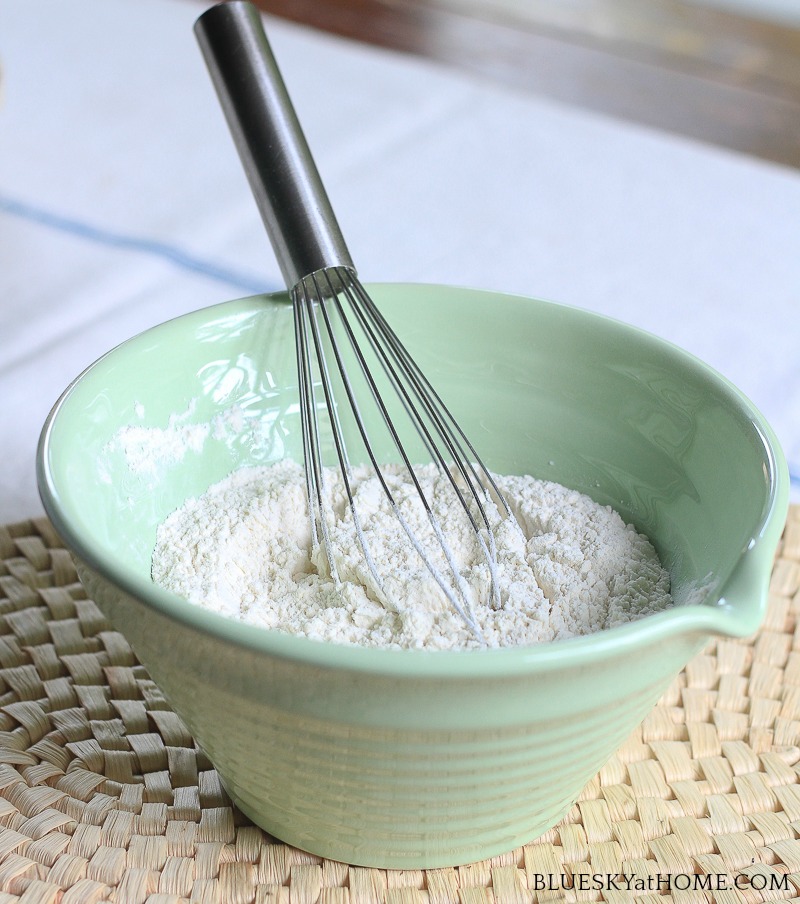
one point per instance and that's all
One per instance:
(104, 795)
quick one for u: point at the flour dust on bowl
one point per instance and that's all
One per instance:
(415, 758)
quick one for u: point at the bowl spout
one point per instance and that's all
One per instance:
(743, 598)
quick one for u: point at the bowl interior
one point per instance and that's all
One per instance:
(542, 389)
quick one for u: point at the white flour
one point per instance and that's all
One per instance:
(148, 451)
(243, 549)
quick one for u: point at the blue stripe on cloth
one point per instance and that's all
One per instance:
(239, 280)
(794, 476)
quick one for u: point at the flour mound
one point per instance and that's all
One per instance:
(243, 549)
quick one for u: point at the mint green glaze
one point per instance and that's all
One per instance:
(410, 759)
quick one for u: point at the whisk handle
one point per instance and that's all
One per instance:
(283, 176)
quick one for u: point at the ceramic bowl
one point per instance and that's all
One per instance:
(415, 759)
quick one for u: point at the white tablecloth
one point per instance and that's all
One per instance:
(122, 203)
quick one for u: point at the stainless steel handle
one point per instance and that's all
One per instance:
(283, 176)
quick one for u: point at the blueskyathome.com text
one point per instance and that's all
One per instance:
(658, 882)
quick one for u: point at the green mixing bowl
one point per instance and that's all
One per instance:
(408, 758)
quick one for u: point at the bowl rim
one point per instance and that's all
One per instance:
(688, 619)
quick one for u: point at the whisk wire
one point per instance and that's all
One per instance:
(306, 408)
(414, 415)
(428, 393)
(345, 287)
(312, 454)
(304, 302)
(463, 607)
(397, 380)
(458, 459)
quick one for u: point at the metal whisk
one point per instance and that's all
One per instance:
(348, 357)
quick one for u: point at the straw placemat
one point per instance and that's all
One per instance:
(105, 797)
